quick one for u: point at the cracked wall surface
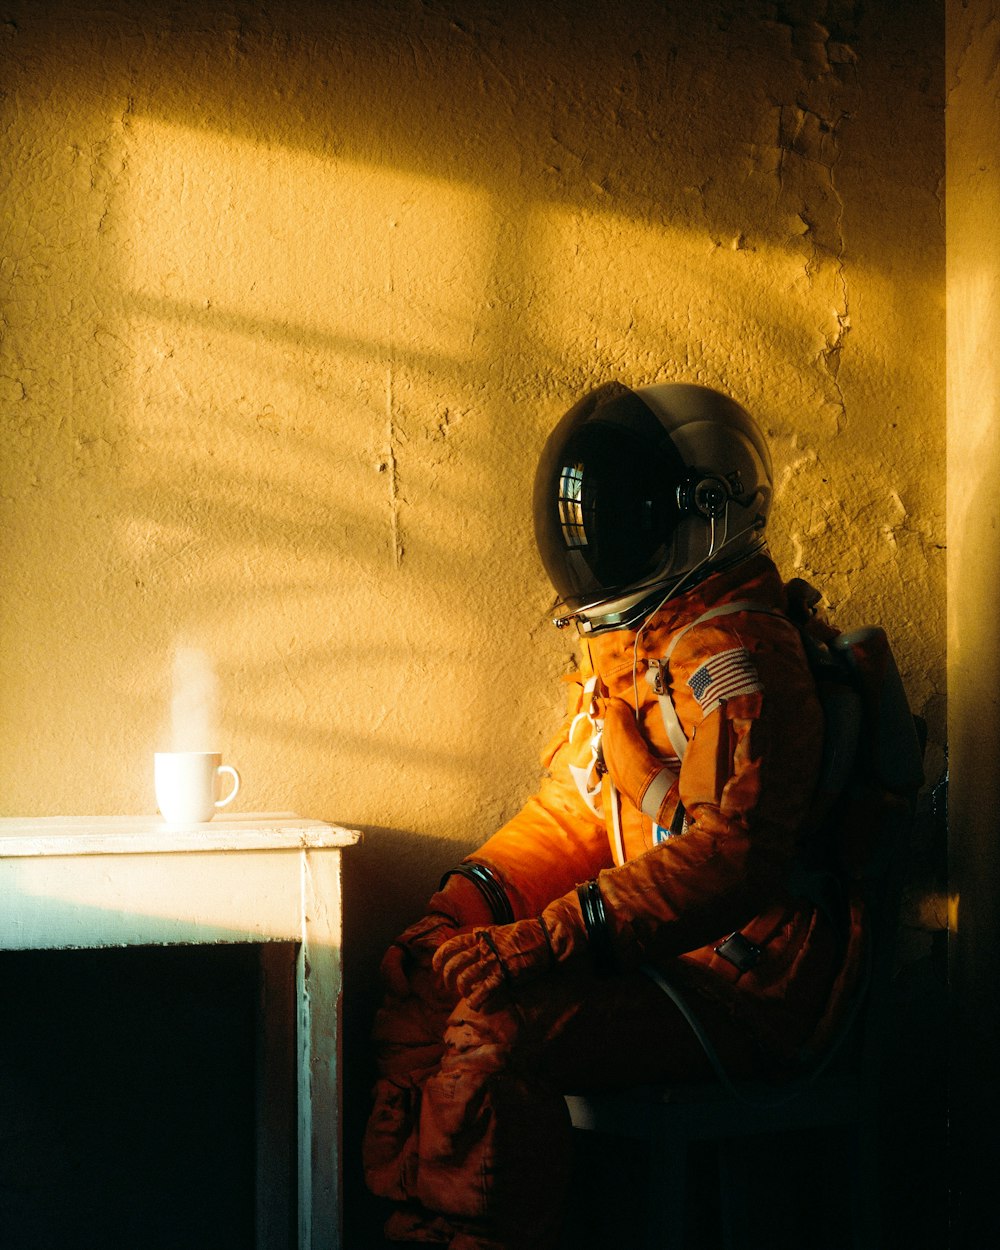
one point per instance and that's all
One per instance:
(291, 297)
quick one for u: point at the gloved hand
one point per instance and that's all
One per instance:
(413, 950)
(457, 905)
(485, 965)
(478, 965)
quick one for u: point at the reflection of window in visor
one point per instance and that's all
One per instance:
(605, 502)
(571, 506)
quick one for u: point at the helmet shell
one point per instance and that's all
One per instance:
(633, 486)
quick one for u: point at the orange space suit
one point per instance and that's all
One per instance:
(668, 840)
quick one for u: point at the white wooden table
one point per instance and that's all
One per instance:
(270, 880)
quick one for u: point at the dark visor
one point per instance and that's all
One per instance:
(605, 497)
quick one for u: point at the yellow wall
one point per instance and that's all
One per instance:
(291, 297)
(973, 332)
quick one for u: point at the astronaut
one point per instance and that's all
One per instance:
(664, 850)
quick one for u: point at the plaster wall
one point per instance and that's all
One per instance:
(292, 295)
(973, 330)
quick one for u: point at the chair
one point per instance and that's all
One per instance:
(841, 1093)
(671, 1118)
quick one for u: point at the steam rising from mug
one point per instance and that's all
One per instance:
(194, 704)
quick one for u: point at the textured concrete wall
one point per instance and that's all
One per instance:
(973, 276)
(292, 294)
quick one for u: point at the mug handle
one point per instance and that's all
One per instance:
(228, 768)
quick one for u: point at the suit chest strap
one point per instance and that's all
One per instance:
(658, 675)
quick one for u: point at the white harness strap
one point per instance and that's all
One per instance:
(596, 788)
(657, 791)
(658, 672)
(588, 778)
(617, 837)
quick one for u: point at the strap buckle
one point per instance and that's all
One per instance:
(739, 951)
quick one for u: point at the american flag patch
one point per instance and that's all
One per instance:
(724, 676)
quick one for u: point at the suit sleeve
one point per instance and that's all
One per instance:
(746, 782)
(556, 840)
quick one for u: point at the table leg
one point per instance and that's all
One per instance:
(318, 988)
(276, 1091)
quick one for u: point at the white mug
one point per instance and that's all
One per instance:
(187, 783)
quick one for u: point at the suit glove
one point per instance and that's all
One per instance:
(412, 952)
(486, 965)
(406, 966)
